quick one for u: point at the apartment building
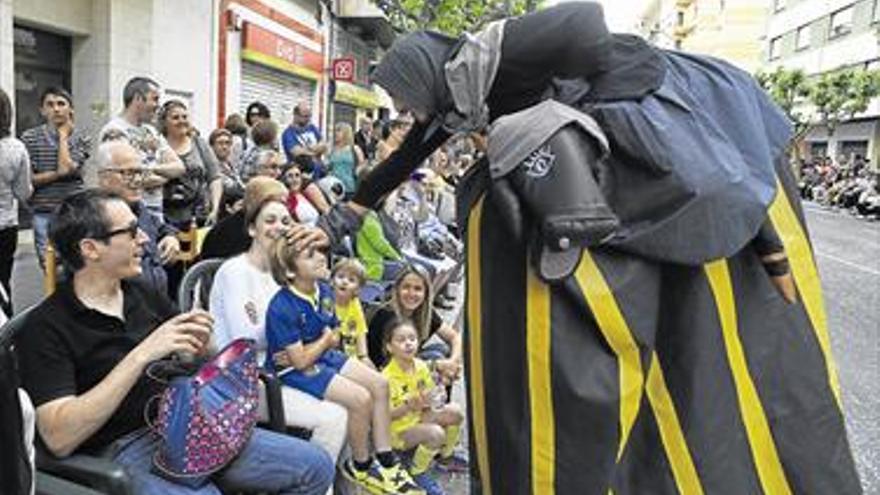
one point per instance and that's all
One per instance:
(732, 30)
(818, 36)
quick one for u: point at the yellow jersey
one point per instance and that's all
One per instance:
(352, 325)
(404, 385)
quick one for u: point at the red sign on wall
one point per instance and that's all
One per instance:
(268, 43)
(343, 69)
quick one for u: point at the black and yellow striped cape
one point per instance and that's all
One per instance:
(635, 377)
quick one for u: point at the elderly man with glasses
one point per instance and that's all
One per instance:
(121, 172)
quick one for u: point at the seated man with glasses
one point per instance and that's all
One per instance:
(120, 171)
(87, 345)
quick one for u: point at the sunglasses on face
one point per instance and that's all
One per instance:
(132, 231)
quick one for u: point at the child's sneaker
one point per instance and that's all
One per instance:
(428, 483)
(371, 480)
(455, 463)
(396, 480)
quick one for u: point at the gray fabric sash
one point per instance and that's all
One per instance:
(470, 75)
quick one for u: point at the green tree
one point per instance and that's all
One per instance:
(840, 95)
(789, 89)
(451, 16)
(832, 97)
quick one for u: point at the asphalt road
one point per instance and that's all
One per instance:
(848, 254)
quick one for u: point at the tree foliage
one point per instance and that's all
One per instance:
(832, 97)
(841, 95)
(451, 16)
(788, 88)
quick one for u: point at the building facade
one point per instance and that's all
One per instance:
(271, 51)
(732, 30)
(819, 36)
(218, 56)
(92, 47)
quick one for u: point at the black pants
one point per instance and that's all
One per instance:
(8, 243)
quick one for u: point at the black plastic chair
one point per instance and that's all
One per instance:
(196, 284)
(78, 473)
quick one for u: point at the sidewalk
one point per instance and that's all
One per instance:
(27, 278)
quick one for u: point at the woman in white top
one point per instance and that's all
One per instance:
(240, 295)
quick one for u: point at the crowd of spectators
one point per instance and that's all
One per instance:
(242, 186)
(849, 184)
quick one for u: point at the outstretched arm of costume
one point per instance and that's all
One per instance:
(390, 173)
(564, 42)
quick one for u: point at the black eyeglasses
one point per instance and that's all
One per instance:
(131, 230)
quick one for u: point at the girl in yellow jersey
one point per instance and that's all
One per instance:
(420, 416)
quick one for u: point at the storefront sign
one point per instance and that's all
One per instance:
(265, 47)
(343, 69)
(355, 95)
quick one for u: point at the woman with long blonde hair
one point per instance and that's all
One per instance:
(345, 159)
(411, 298)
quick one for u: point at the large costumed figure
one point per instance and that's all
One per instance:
(643, 308)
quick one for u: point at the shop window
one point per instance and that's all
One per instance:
(841, 22)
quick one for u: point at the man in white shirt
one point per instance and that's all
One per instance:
(141, 99)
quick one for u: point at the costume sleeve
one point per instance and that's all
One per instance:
(557, 42)
(390, 173)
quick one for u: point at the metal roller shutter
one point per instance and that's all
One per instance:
(277, 90)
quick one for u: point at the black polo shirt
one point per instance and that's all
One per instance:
(66, 349)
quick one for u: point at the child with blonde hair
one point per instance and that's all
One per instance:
(302, 338)
(348, 276)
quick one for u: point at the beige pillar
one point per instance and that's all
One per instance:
(7, 53)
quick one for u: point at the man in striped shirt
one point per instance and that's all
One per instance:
(58, 151)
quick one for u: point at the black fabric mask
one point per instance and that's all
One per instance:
(412, 71)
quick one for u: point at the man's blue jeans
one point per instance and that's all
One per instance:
(270, 462)
(40, 224)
